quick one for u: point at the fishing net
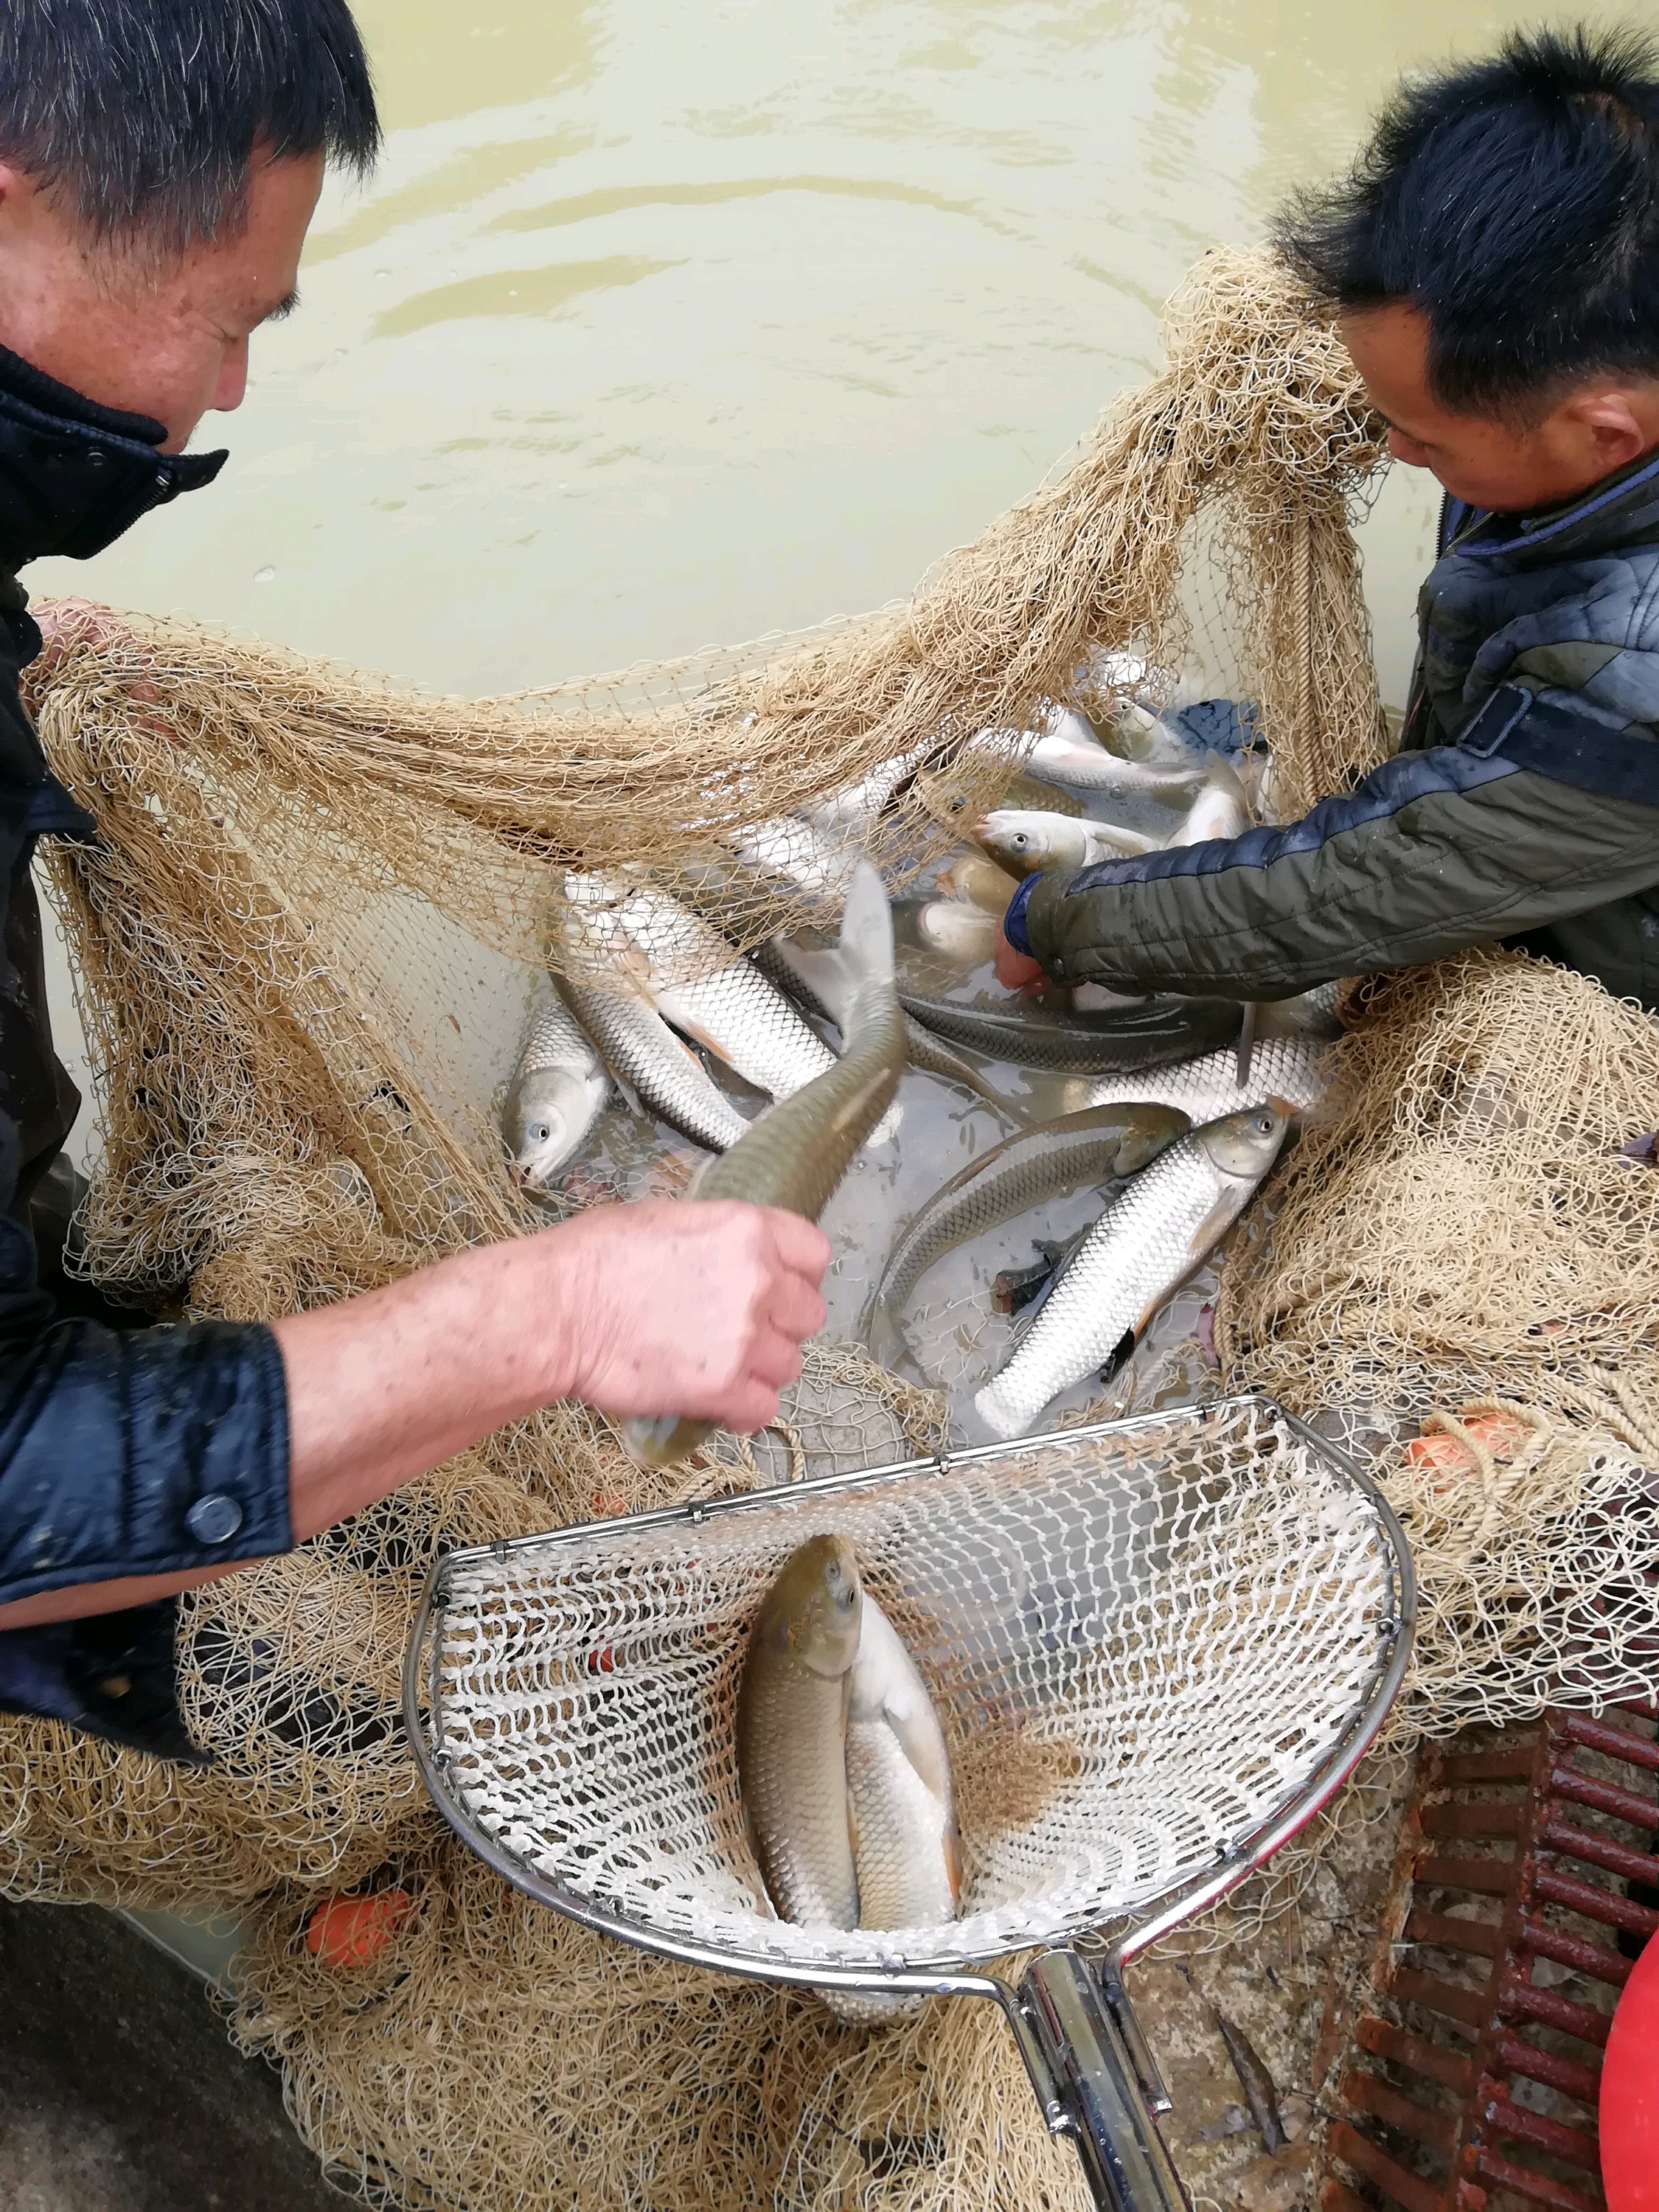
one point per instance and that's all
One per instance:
(306, 942)
(1461, 1244)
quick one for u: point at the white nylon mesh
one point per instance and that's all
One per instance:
(1184, 1617)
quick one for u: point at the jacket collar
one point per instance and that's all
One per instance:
(74, 474)
(1622, 506)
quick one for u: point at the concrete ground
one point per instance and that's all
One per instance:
(119, 2091)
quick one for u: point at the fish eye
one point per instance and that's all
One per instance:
(539, 1132)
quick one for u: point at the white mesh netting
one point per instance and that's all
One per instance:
(1164, 1632)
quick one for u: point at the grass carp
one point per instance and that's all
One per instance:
(729, 1007)
(795, 1153)
(1098, 1145)
(664, 1074)
(1090, 767)
(818, 981)
(1292, 1069)
(558, 1088)
(1145, 1035)
(1137, 1253)
(978, 882)
(966, 934)
(792, 1734)
(1024, 840)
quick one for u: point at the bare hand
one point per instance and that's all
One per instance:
(697, 1309)
(1016, 971)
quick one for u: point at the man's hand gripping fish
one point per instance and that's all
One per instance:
(795, 1153)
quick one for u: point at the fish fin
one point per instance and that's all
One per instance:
(1124, 1351)
(853, 1828)
(1221, 1216)
(1222, 775)
(953, 1862)
(922, 1746)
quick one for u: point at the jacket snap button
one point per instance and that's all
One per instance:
(214, 1519)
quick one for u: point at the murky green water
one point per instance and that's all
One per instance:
(665, 324)
(661, 326)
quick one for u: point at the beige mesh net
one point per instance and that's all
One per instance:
(307, 944)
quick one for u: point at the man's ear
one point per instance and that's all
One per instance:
(1617, 424)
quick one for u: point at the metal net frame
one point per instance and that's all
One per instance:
(1152, 1644)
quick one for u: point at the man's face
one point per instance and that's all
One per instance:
(164, 338)
(1596, 428)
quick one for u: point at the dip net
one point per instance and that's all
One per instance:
(306, 942)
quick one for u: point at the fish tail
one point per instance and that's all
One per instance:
(866, 950)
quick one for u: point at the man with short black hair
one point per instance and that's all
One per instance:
(160, 161)
(1493, 258)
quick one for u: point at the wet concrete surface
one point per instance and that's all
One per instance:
(119, 2090)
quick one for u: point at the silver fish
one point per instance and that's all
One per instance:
(1144, 1033)
(819, 981)
(558, 1089)
(1139, 1251)
(1293, 1068)
(797, 1151)
(978, 882)
(1041, 1163)
(729, 1007)
(800, 855)
(1139, 735)
(1092, 767)
(664, 1074)
(1024, 840)
(906, 1851)
(965, 934)
(1220, 810)
(792, 1734)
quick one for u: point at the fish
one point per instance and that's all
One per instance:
(1137, 734)
(1024, 840)
(978, 882)
(662, 1072)
(1220, 810)
(792, 1734)
(1255, 2080)
(558, 1089)
(818, 981)
(1142, 1036)
(796, 1153)
(728, 1006)
(1092, 767)
(798, 855)
(1293, 1068)
(1139, 1251)
(966, 934)
(1041, 1163)
(906, 1852)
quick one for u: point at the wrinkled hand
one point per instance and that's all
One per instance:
(1016, 971)
(697, 1310)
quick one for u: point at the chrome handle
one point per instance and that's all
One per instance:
(1099, 2100)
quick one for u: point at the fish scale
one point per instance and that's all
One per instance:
(642, 1051)
(1071, 1154)
(1295, 1069)
(1140, 1249)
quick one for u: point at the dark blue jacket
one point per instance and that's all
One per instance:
(136, 1451)
(1523, 806)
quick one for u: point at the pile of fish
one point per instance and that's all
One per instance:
(845, 1776)
(1182, 1115)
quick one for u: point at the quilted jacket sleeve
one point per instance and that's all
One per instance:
(1433, 852)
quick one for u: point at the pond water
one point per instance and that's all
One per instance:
(662, 325)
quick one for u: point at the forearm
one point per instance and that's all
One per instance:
(383, 1387)
(640, 1309)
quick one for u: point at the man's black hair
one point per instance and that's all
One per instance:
(1514, 201)
(142, 115)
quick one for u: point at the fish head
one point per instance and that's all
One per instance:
(1247, 1144)
(546, 1119)
(816, 1607)
(1148, 1130)
(1016, 840)
(965, 933)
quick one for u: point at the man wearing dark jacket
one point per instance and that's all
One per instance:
(1494, 261)
(160, 161)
